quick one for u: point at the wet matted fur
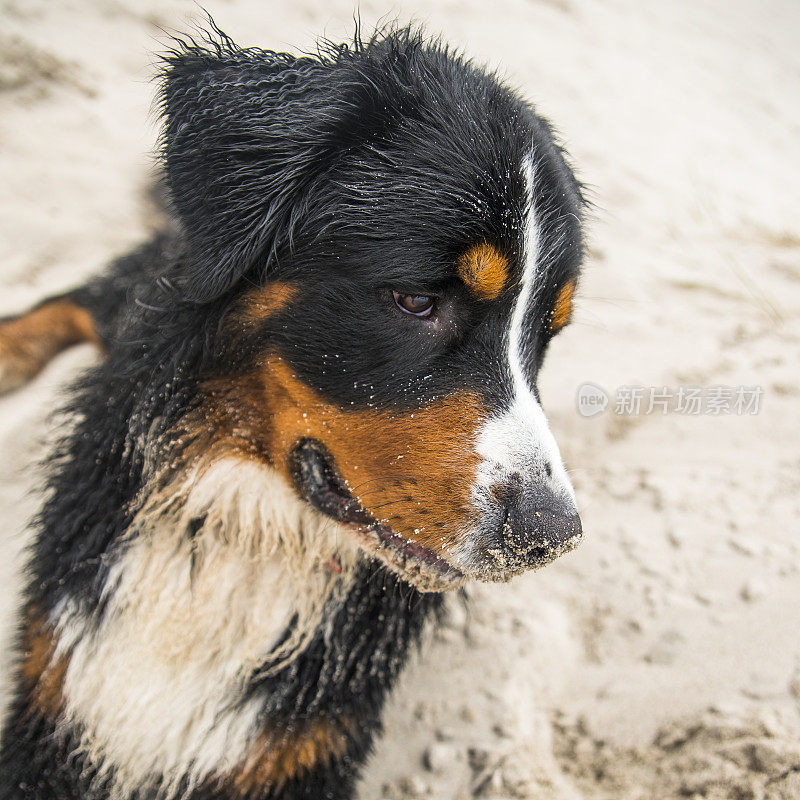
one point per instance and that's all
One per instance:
(315, 412)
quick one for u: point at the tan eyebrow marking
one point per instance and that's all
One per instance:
(562, 308)
(484, 270)
(266, 301)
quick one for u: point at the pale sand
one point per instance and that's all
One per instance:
(594, 678)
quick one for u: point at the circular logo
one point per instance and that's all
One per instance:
(591, 399)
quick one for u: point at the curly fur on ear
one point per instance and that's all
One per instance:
(248, 132)
(244, 132)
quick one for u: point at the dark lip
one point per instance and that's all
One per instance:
(319, 483)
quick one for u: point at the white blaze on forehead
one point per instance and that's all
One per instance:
(530, 260)
(519, 440)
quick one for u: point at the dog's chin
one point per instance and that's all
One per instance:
(318, 482)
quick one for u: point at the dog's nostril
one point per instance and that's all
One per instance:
(500, 493)
(510, 491)
(539, 537)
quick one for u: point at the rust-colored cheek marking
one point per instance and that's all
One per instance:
(42, 673)
(28, 342)
(280, 755)
(484, 270)
(413, 470)
(562, 308)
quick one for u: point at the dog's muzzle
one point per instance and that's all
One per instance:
(536, 527)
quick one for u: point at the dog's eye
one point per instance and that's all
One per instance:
(419, 305)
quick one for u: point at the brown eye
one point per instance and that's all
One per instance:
(420, 305)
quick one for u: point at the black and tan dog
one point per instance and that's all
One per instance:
(316, 411)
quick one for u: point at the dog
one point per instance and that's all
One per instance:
(315, 413)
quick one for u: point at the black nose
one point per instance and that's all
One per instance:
(538, 525)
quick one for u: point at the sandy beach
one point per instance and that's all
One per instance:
(661, 659)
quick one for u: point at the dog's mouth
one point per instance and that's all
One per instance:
(320, 485)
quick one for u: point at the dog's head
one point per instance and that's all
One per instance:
(396, 239)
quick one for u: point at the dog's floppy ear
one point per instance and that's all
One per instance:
(245, 134)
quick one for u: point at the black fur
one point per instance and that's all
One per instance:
(350, 172)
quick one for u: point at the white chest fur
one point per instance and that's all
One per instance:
(156, 682)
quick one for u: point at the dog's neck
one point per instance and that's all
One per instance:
(223, 578)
